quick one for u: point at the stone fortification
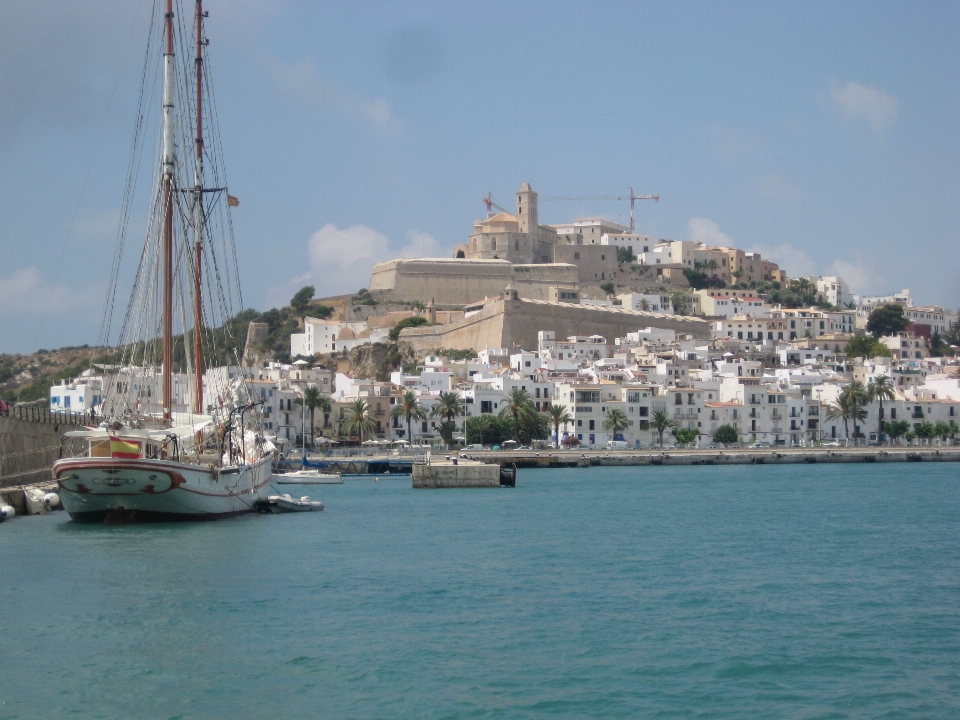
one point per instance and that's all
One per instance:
(510, 321)
(451, 281)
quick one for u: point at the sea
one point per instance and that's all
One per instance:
(826, 591)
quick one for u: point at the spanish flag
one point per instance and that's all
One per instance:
(124, 449)
(232, 201)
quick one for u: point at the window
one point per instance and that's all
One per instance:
(576, 256)
(592, 424)
(644, 411)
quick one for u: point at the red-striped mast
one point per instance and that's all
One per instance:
(169, 161)
(198, 223)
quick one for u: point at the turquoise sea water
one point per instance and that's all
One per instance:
(793, 592)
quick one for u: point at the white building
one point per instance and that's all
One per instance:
(939, 320)
(638, 244)
(327, 336)
(833, 290)
(647, 302)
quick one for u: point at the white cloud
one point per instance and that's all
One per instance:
(303, 83)
(341, 260)
(867, 104)
(859, 277)
(793, 261)
(707, 231)
(420, 245)
(777, 189)
(25, 294)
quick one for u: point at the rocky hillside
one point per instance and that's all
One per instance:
(29, 377)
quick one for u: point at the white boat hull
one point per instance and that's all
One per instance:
(118, 490)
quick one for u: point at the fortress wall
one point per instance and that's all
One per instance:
(514, 323)
(460, 282)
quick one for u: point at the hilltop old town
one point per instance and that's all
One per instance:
(585, 335)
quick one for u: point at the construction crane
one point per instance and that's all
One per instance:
(632, 198)
(489, 202)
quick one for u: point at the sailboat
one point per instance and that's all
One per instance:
(177, 442)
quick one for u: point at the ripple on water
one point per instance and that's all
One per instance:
(623, 592)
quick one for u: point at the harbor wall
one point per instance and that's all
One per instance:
(27, 451)
(459, 475)
(782, 456)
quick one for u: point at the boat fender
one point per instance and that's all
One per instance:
(51, 500)
(7, 512)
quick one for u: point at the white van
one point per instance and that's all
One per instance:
(617, 445)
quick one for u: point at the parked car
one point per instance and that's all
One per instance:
(617, 445)
(761, 445)
(474, 447)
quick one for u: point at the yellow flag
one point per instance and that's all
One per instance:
(232, 201)
(120, 448)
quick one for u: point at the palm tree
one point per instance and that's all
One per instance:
(856, 396)
(849, 406)
(558, 416)
(517, 405)
(449, 406)
(881, 388)
(616, 421)
(482, 424)
(409, 409)
(645, 304)
(313, 399)
(359, 422)
(660, 422)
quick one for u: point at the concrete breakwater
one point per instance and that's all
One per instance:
(30, 442)
(733, 456)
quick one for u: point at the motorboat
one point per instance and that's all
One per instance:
(287, 503)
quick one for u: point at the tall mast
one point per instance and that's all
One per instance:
(169, 160)
(198, 222)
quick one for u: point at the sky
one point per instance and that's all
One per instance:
(823, 135)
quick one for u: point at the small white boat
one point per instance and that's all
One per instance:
(308, 477)
(288, 503)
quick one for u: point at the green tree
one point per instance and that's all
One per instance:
(616, 422)
(408, 408)
(887, 320)
(625, 255)
(725, 435)
(449, 406)
(866, 346)
(358, 420)
(517, 405)
(681, 302)
(661, 422)
(313, 399)
(896, 429)
(534, 426)
(413, 321)
(460, 254)
(476, 427)
(447, 428)
(849, 406)
(608, 288)
(880, 389)
(685, 436)
(941, 430)
(925, 431)
(301, 300)
(558, 416)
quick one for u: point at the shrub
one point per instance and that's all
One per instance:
(415, 321)
(726, 434)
